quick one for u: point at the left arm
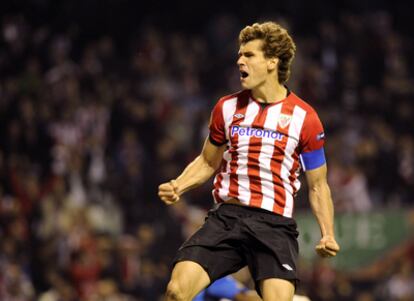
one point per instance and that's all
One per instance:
(322, 207)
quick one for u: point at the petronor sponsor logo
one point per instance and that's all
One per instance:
(255, 132)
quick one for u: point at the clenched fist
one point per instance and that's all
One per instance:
(327, 247)
(168, 192)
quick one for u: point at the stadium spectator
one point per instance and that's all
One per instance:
(72, 85)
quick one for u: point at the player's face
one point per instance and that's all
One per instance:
(253, 66)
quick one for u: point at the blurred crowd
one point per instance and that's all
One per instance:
(90, 127)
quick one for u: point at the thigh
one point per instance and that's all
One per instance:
(216, 261)
(216, 246)
(190, 277)
(276, 289)
(272, 250)
(263, 263)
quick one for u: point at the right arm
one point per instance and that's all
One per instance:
(195, 174)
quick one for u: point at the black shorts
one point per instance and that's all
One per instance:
(234, 236)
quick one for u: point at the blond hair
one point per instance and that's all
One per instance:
(276, 43)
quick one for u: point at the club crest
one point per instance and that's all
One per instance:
(284, 120)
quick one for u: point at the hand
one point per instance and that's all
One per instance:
(168, 192)
(327, 247)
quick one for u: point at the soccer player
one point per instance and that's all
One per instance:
(260, 138)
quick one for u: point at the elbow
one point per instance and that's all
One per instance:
(315, 189)
(319, 194)
(316, 192)
(213, 164)
(318, 186)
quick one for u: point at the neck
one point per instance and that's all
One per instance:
(270, 93)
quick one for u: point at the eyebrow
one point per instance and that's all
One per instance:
(245, 53)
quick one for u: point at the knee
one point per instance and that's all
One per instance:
(175, 292)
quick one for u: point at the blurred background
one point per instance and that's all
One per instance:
(103, 100)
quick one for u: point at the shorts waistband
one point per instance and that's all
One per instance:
(254, 211)
(245, 209)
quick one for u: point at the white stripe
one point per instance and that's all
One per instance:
(265, 158)
(229, 108)
(302, 163)
(227, 157)
(297, 183)
(223, 191)
(243, 152)
(295, 127)
(225, 182)
(244, 189)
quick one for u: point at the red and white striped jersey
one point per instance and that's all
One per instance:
(260, 166)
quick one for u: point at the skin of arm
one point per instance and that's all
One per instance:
(195, 174)
(322, 207)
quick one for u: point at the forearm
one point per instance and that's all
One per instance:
(322, 207)
(195, 174)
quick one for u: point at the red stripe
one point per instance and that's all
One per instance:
(217, 187)
(276, 165)
(255, 146)
(279, 156)
(295, 167)
(234, 182)
(242, 102)
(218, 183)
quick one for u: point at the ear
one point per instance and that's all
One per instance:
(272, 63)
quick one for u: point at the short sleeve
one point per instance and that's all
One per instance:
(217, 134)
(312, 140)
(312, 136)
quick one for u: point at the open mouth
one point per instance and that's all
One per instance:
(244, 74)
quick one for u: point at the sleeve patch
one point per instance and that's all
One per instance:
(320, 136)
(313, 159)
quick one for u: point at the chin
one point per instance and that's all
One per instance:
(245, 86)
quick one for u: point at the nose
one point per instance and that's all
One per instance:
(240, 61)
